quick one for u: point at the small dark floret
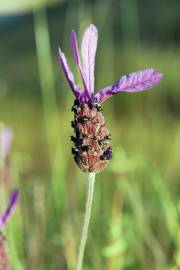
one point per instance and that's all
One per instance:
(72, 124)
(107, 155)
(101, 141)
(84, 119)
(97, 106)
(76, 105)
(86, 148)
(75, 151)
(108, 137)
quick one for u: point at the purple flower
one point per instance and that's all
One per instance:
(4, 217)
(91, 139)
(134, 82)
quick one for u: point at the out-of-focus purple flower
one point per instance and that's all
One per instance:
(6, 136)
(4, 217)
(134, 82)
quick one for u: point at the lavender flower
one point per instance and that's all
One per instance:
(91, 142)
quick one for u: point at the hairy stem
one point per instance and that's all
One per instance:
(91, 181)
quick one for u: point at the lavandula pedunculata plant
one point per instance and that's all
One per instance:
(92, 150)
(4, 217)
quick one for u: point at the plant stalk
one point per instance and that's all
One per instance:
(91, 181)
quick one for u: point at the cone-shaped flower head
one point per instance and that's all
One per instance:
(4, 217)
(92, 151)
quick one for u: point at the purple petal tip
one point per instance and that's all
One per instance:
(59, 50)
(15, 196)
(156, 75)
(159, 76)
(93, 27)
(75, 47)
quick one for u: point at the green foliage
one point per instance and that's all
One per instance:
(135, 210)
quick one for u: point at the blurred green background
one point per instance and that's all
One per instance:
(134, 223)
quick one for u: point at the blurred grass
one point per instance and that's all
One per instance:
(135, 213)
(17, 6)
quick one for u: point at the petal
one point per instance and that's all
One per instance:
(78, 60)
(88, 51)
(134, 82)
(68, 73)
(10, 209)
(75, 48)
(5, 141)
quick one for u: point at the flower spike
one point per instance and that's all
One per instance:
(92, 150)
(14, 197)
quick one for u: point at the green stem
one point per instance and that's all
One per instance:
(91, 181)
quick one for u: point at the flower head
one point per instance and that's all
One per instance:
(4, 217)
(91, 142)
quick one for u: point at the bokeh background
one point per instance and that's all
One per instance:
(134, 221)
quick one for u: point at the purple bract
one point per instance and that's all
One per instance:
(14, 197)
(134, 82)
